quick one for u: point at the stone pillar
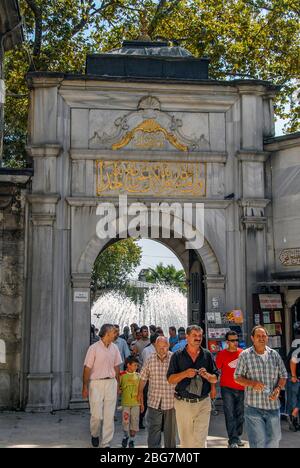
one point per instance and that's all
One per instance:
(214, 288)
(214, 294)
(43, 214)
(81, 318)
(2, 96)
(253, 222)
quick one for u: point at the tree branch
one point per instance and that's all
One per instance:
(161, 13)
(38, 19)
(89, 13)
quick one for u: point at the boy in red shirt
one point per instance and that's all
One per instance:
(232, 393)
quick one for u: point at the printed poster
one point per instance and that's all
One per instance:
(277, 316)
(210, 317)
(266, 317)
(213, 346)
(256, 319)
(218, 318)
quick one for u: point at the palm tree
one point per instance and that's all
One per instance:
(167, 275)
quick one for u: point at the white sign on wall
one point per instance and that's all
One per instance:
(81, 296)
(215, 302)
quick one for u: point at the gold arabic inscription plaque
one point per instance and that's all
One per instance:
(150, 178)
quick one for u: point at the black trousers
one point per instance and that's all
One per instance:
(233, 404)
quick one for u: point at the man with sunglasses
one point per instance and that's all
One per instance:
(232, 393)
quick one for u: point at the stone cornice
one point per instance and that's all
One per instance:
(48, 150)
(258, 89)
(252, 156)
(172, 156)
(284, 142)
(44, 81)
(94, 201)
(254, 202)
(173, 97)
(19, 180)
(44, 199)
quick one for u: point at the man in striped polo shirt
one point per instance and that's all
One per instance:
(262, 372)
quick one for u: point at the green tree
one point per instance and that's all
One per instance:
(114, 266)
(258, 38)
(167, 275)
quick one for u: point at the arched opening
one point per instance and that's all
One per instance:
(202, 262)
(165, 289)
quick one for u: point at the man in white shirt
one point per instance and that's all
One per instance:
(101, 376)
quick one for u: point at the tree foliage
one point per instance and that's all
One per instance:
(167, 275)
(259, 38)
(114, 266)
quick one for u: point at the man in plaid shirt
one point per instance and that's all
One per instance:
(262, 372)
(161, 412)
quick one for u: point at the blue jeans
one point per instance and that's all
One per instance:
(263, 427)
(293, 396)
(233, 404)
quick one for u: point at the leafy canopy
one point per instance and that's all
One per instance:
(115, 264)
(259, 38)
(167, 275)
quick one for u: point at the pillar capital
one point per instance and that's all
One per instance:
(44, 151)
(81, 280)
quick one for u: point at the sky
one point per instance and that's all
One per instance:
(155, 252)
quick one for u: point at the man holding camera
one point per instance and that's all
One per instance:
(192, 370)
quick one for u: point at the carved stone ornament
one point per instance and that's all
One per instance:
(290, 257)
(148, 128)
(10, 199)
(149, 102)
(253, 218)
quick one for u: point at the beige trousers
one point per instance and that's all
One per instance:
(103, 397)
(193, 422)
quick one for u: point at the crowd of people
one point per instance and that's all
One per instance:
(173, 379)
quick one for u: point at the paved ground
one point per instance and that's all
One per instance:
(71, 429)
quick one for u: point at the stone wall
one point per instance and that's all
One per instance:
(12, 238)
(285, 187)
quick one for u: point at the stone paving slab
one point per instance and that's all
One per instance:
(70, 429)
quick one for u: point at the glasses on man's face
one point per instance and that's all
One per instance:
(233, 341)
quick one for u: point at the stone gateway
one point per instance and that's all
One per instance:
(155, 130)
